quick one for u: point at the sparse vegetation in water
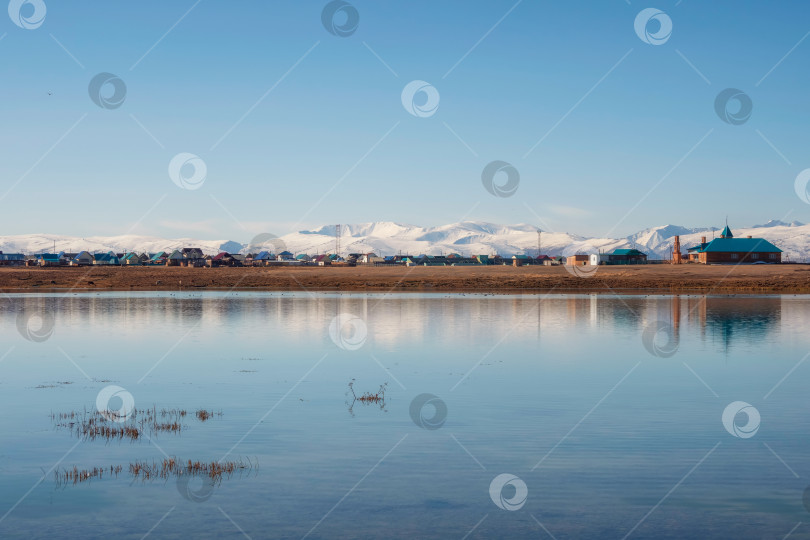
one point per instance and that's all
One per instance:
(172, 467)
(76, 476)
(139, 423)
(367, 398)
(163, 470)
(204, 415)
(56, 384)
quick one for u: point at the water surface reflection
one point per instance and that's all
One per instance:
(588, 416)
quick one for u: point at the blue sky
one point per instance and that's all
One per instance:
(628, 134)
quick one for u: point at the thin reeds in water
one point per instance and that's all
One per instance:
(136, 424)
(367, 398)
(77, 476)
(163, 470)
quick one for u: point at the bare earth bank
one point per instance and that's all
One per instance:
(690, 278)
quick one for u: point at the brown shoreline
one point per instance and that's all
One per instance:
(663, 279)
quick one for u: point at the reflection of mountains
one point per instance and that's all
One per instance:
(403, 320)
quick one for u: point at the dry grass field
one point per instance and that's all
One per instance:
(499, 279)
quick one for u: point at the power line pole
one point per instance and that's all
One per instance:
(337, 239)
(539, 243)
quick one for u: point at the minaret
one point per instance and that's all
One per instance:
(676, 251)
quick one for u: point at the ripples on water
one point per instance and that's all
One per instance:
(604, 412)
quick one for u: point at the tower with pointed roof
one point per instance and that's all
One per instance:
(726, 233)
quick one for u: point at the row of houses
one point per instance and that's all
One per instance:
(189, 257)
(726, 249)
(194, 257)
(617, 256)
(454, 259)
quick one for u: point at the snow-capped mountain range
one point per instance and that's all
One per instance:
(387, 238)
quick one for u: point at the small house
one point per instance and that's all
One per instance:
(595, 259)
(48, 259)
(83, 258)
(158, 258)
(175, 258)
(12, 259)
(226, 259)
(627, 256)
(263, 258)
(131, 259)
(192, 257)
(371, 258)
(577, 260)
(106, 259)
(521, 260)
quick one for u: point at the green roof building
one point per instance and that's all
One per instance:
(730, 250)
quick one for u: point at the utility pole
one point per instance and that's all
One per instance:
(539, 243)
(337, 239)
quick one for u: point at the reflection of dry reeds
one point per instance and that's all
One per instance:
(168, 468)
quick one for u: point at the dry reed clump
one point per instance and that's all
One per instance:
(168, 468)
(172, 467)
(77, 476)
(112, 425)
(367, 398)
(203, 415)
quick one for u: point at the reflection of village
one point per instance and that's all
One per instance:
(396, 322)
(721, 320)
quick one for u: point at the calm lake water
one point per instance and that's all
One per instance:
(610, 416)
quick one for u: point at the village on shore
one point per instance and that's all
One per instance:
(726, 249)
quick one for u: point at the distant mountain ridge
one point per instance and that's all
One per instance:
(777, 223)
(465, 238)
